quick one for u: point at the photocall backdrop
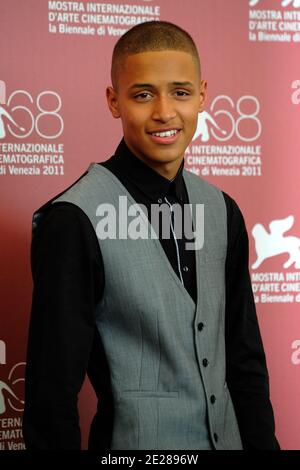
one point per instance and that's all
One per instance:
(54, 67)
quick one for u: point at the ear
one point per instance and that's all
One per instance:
(203, 94)
(112, 101)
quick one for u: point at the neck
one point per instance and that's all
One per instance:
(167, 170)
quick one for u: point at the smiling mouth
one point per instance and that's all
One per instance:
(163, 134)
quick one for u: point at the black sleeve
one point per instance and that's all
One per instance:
(68, 281)
(246, 370)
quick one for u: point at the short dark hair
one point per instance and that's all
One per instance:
(151, 36)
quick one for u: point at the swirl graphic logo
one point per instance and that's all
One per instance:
(5, 113)
(10, 389)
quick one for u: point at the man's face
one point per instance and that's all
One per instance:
(158, 98)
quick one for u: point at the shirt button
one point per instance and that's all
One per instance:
(216, 437)
(205, 362)
(212, 399)
(185, 269)
(200, 326)
(159, 200)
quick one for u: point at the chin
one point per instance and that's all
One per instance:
(165, 159)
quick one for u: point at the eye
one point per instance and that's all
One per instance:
(144, 96)
(182, 93)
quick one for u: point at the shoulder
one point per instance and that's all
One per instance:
(234, 213)
(236, 228)
(200, 183)
(59, 216)
(61, 224)
(63, 234)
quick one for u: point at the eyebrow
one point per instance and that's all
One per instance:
(183, 84)
(149, 85)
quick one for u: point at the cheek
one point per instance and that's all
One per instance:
(133, 118)
(190, 113)
(192, 120)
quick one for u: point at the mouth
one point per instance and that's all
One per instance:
(165, 136)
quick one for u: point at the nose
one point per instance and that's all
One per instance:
(163, 109)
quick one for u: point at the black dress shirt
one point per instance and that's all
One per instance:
(64, 344)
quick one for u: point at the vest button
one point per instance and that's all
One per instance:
(159, 200)
(212, 399)
(200, 326)
(185, 269)
(216, 437)
(205, 362)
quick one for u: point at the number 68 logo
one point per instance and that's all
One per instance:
(227, 119)
(18, 114)
(242, 116)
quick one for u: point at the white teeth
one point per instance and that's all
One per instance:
(165, 134)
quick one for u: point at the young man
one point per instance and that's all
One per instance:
(167, 334)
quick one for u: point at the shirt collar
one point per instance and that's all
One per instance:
(145, 178)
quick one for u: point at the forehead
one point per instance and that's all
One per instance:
(158, 66)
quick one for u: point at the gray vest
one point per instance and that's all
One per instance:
(166, 354)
